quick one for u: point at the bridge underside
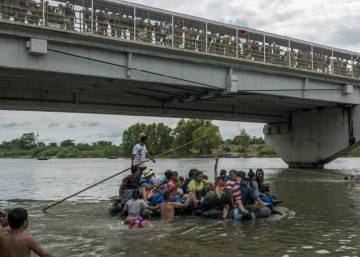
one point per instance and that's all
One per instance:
(34, 90)
(311, 117)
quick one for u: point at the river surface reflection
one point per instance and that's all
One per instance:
(322, 212)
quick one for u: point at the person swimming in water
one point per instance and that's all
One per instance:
(167, 208)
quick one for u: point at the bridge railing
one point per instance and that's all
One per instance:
(127, 21)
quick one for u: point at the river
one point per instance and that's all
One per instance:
(322, 213)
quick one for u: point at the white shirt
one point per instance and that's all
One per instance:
(140, 154)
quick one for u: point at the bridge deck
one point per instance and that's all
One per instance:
(122, 20)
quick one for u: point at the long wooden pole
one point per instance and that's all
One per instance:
(121, 172)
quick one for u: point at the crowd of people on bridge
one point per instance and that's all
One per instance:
(118, 22)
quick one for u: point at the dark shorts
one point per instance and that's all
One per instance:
(142, 169)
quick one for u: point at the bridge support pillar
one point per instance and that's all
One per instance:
(315, 137)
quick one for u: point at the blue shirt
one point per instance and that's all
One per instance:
(146, 181)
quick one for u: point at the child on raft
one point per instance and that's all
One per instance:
(135, 208)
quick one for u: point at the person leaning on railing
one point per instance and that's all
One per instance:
(86, 14)
(34, 12)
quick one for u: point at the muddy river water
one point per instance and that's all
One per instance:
(322, 212)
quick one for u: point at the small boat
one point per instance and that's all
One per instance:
(43, 158)
(112, 157)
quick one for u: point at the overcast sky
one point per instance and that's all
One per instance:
(330, 22)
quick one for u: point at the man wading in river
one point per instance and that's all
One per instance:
(14, 242)
(139, 154)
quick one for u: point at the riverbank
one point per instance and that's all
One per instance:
(113, 152)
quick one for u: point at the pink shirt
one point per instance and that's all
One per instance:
(234, 186)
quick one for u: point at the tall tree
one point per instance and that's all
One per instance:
(27, 141)
(242, 140)
(131, 136)
(190, 129)
(210, 143)
(67, 142)
(183, 133)
(159, 137)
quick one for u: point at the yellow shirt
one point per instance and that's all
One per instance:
(195, 186)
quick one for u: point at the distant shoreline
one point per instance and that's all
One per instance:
(128, 157)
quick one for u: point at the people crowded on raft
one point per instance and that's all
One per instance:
(237, 195)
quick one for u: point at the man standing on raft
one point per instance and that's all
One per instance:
(140, 153)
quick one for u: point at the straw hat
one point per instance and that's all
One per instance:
(148, 173)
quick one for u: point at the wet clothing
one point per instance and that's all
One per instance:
(195, 186)
(131, 182)
(140, 154)
(126, 196)
(248, 196)
(220, 188)
(136, 221)
(170, 186)
(261, 184)
(146, 182)
(267, 199)
(234, 186)
(134, 207)
(225, 178)
(185, 184)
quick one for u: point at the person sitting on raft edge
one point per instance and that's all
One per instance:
(234, 186)
(129, 184)
(196, 188)
(148, 185)
(135, 208)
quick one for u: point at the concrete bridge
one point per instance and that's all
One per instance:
(123, 58)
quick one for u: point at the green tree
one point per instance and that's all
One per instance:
(67, 142)
(27, 141)
(41, 144)
(242, 140)
(183, 133)
(257, 141)
(131, 136)
(207, 144)
(160, 138)
(102, 143)
(159, 135)
(83, 147)
(53, 144)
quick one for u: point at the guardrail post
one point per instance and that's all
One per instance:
(312, 57)
(352, 65)
(172, 31)
(206, 37)
(332, 71)
(92, 17)
(289, 53)
(43, 12)
(237, 43)
(264, 47)
(134, 28)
